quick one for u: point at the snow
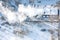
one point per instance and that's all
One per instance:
(34, 31)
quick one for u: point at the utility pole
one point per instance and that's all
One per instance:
(59, 26)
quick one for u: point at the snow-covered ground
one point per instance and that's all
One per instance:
(36, 31)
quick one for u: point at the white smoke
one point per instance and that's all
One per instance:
(23, 12)
(20, 15)
(12, 16)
